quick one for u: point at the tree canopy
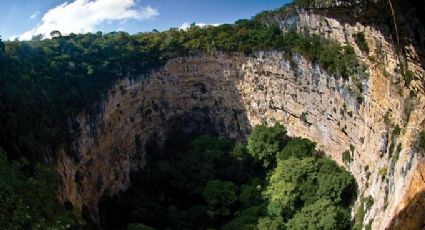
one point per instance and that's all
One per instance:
(207, 185)
(53, 80)
(264, 143)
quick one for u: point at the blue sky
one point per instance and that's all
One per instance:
(24, 18)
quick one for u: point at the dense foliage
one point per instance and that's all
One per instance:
(29, 202)
(361, 42)
(264, 142)
(45, 83)
(206, 183)
(55, 79)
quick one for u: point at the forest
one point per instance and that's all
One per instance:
(44, 83)
(204, 182)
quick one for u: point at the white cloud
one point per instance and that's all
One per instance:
(34, 15)
(83, 16)
(13, 37)
(186, 25)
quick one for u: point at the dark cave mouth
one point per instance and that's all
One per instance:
(197, 180)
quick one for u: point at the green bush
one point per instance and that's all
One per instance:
(368, 201)
(271, 223)
(359, 216)
(240, 151)
(297, 147)
(396, 131)
(28, 202)
(397, 153)
(383, 172)
(322, 215)
(361, 42)
(364, 206)
(346, 157)
(369, 225)
(391, 148)
(407, 74)
(246, 219)
(220, 195)
(264, 143)
(303, 181)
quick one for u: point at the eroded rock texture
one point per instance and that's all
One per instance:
(229, 94)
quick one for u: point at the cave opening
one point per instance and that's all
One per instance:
(197, 180)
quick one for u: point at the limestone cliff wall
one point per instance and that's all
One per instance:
(194, 95)
(388, 104)
(229, 94)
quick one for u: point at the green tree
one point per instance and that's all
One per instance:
(361, 42)
(199, 162)
(335, 183)
(246, 219)
(249, 195)
(240, 151)
(271, 223)
(14, 215)
(297, 147)
(264, 142)
(1, 46)
(219, 196)
(291, 182)
(322, 215)
(29, 202)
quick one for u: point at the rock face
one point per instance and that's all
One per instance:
(229, 94)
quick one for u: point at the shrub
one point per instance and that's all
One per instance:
(383, 172)
(346, 157)
(387, 119)
(304, 116)
(407, 74)
(361, 42)
(396, 131)
(397, 153)
(352, 148)
(368, 201)
(369, 225)
(391, 148)
(359, 216)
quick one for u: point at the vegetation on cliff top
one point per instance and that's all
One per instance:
(44, 83)
(55, 79)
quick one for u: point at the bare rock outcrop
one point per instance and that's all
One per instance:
(230, 93)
